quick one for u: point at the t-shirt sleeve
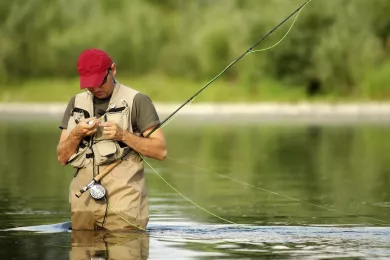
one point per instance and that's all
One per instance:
(144, 114)
(67, 114)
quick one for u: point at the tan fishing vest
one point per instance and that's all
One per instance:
(97, 148)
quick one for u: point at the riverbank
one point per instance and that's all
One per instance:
(267, 111)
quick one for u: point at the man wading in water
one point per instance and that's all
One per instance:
(107, 122)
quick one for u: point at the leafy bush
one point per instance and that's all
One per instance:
(334, 43)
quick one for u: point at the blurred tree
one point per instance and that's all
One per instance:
(331, 48)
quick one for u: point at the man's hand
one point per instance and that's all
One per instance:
(112, 130)
(70, 141)
(87, 127)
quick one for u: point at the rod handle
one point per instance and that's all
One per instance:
(107, 170)
(78, 194)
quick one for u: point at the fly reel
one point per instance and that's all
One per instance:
(97, 191)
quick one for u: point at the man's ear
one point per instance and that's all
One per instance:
(113, 69)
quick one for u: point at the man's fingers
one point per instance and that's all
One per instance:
(90, 126)
(106, 124)
(109, 128)
(91, 132)
(107, 132)
(89, 123)
(89, 119)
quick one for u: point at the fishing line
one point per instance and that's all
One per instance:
(174, 114)
(173, 117)
(275, 193)
(288, 31)
(186, 198)
(128, 222)
(191, 100)
(250, 50)
(177, 191)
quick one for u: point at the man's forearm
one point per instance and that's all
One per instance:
(68, 147)
(149, 147)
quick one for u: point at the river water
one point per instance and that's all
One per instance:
(243, 190)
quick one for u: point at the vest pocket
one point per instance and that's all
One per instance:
(77, 115)
(79, 159)
(119, 116)
(107, 151)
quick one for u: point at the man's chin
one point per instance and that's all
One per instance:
(101, 96)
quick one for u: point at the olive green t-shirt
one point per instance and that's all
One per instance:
(143, 113)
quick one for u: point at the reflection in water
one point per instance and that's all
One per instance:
(184, 240)
(102, 245)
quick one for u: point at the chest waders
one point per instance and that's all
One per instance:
(125, 188)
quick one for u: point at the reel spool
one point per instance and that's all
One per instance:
(97, 191)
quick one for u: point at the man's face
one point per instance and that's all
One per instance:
(107, 86)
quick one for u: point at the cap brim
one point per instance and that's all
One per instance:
(92, 81)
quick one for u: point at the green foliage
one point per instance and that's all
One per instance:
(374, 85)
(334, 42)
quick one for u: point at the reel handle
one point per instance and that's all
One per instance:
(99, 177)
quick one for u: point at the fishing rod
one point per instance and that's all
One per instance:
(98, 191)
(228, 67)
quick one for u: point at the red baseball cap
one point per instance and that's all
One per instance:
(92, 67)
